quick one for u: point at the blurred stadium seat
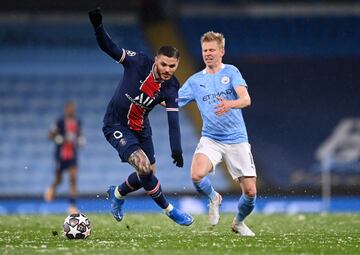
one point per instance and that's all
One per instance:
(277, 37)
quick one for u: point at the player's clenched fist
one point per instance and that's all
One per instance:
(178, 158)
(95, 17)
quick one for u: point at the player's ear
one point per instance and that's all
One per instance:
(222, 50)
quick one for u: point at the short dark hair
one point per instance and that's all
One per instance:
(169, 51)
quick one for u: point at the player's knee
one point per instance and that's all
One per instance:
(58, 180)
(198, 174)
(195, 177)
(73, 181)
(140, 162)
(144, 168)
(250, 192)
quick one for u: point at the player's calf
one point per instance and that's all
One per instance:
(49, 194)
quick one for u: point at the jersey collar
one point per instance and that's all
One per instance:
(153, 74)
(222, 67)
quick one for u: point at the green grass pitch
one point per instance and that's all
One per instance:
(156, 234)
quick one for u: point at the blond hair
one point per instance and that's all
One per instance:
(213, 36)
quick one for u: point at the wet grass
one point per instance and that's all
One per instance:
(156, 234)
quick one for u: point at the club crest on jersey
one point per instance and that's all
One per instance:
(123, 141)
(130, 53)
(225, 80)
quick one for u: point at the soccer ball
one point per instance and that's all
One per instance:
(77, 226)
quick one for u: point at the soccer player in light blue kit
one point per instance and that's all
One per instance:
(220, 93)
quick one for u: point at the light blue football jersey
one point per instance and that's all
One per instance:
(204, 88)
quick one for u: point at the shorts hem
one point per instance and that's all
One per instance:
(128, 152)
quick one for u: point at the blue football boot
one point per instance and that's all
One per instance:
(180, 217)
(116, 204)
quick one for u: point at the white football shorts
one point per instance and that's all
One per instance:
(237, 157)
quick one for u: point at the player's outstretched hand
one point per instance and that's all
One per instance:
(223, 107)
(95, 17)
(178, 158)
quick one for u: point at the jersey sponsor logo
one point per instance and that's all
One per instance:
(141, 100)
(211, 98)
(130, 53)
(225, 80)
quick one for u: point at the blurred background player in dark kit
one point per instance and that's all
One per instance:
(67, 136)
(145, 84)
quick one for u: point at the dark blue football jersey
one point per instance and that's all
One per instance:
(138, 92)
(69, 129)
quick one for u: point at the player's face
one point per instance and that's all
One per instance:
(165, 67)
(212, 53)
(70, 110)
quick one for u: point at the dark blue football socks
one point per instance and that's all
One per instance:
(152, 186)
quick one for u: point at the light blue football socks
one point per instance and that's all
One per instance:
(205, 188)
(245, 207)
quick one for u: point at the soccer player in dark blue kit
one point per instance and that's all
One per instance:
(146, 83)
(68, 137)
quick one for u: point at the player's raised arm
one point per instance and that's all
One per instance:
(104, 40)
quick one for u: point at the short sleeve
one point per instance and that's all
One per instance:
(237, 78)
(186, 94)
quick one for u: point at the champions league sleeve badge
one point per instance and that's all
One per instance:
(130, 53)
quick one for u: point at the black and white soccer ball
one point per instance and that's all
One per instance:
(77, 226)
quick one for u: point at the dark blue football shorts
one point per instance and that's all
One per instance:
(65, 164)
(126, 141)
